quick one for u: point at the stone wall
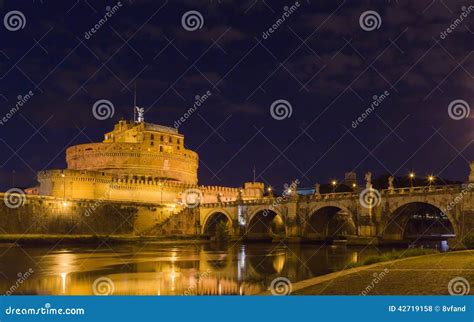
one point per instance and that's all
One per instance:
(42, 215)
(82, 184)
(134, 159)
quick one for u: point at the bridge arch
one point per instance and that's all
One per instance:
(213, 219)
(264, 222)
(418, 219)
(329, 220)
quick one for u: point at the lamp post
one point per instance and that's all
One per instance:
(334, 185)
(412, 177)
(431, 179)
(270, 192)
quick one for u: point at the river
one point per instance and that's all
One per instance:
(166, 269)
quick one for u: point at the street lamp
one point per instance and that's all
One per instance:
(354, 186)
(431, 178)
(334, 184)
(411, 176)
(270, 191)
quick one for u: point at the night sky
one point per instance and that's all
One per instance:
(322, 59)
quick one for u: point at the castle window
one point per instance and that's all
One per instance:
(152, 143)
(161, 138)
(161, 149)
(152, 136)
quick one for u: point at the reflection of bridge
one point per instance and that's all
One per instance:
(345, 215)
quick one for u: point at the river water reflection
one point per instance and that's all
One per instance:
(166, 269)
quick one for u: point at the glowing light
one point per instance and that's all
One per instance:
(63, 281)
(241, 215)
(65, 204)
(334, 182)
(411, 175)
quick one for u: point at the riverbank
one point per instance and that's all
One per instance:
(422, 275)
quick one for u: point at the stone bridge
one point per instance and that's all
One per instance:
(368, 216)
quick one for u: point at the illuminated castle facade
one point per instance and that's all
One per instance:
(138, 162)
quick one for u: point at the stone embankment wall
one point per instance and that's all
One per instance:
(44, 215)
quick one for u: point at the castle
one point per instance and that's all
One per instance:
(137, 162)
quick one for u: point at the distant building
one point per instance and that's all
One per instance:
(350, 178)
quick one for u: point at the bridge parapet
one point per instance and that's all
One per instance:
(425, 189)
(263, 201)
(330, 196)
(338, 195)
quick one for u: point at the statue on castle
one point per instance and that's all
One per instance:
(368, 180)
(390, 184)
(219, 198)
(141, 114)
